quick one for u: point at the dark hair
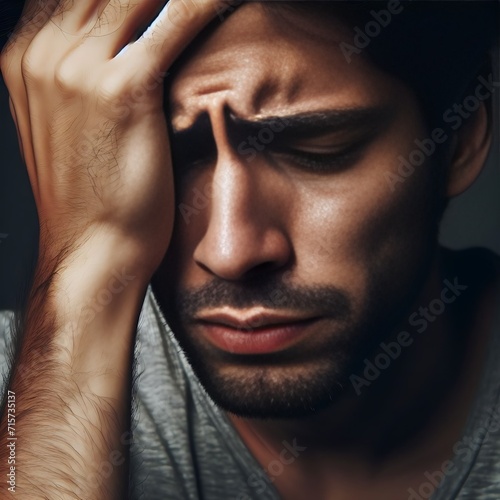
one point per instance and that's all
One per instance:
(438, 48)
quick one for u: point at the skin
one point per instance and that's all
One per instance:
(262, 220)
(262, 223)
(364, 224)
(102, 213)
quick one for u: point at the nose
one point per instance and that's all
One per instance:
(245, 233)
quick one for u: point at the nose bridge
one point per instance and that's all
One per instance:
(242, 230)
(234, 183)
(235, 219)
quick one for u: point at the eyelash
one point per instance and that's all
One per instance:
(305, 160)
(321, 162)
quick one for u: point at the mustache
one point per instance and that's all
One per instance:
(270, 293)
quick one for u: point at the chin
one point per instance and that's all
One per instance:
(272, 392)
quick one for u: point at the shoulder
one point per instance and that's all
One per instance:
(6, 320)
(475, 464)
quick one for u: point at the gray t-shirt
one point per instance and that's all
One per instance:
(184, 447)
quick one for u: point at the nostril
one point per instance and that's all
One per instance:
(265, 270)
(204, 267)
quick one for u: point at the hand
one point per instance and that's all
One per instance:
(87, 102)
(94, 139)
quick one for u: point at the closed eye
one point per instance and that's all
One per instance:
(194, 147)
(319, 159)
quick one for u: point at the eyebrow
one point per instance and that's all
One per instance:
(311, 124)
(306, 124)
(196, 142)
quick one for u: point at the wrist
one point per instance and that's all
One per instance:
(93, 295)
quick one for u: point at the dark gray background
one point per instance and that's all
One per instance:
(473, 219)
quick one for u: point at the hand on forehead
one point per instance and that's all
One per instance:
(108, 26)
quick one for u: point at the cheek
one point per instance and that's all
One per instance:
(357, 231)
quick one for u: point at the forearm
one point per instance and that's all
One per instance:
(72, 376)
(93, 163)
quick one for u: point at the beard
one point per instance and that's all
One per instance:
(298, 381)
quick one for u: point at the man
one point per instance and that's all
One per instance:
(347, 354)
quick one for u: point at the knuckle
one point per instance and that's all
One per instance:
(33, 67)
(6, 62)
(26, 30)
(66, 77)
(111, 89)
(10, 61)
(111, 84)
(29, 68)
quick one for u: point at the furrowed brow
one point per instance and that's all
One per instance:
(196, 141)
(318, 122)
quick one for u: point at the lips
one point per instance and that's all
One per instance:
(253, 332)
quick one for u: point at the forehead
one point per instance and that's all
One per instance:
(259, 62)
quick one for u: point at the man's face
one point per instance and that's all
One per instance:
(292, 255)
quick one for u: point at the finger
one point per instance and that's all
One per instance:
(77, 17)
(14, 117)
(23, 128)
(34, 16)
(179, 22)
(118, 23)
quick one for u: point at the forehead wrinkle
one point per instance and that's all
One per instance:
(282, 84)
(206, 97)
(248, 95)
(272, 84)
(281, 27)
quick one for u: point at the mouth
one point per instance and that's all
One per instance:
(253, 331)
